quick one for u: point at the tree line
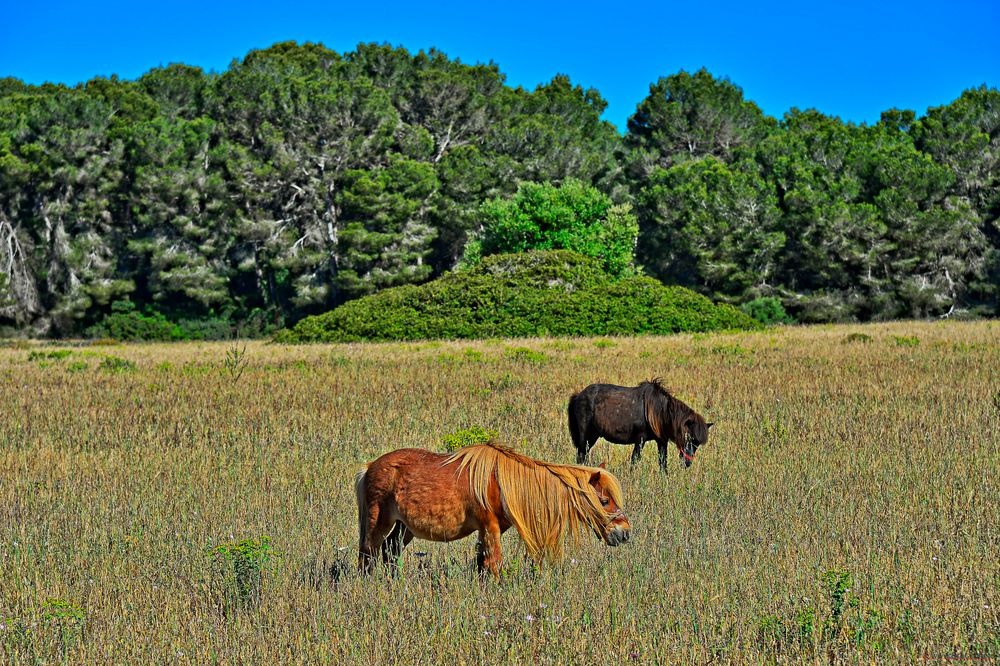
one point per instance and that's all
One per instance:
(301, 178)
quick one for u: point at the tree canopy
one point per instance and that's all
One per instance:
(301, 178)
(839, 221)
(297, 179)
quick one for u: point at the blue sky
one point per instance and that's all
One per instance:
(850, 59)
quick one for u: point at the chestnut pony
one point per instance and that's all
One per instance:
(488, 489)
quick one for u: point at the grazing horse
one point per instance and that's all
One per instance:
(487, 489)
(634, 415)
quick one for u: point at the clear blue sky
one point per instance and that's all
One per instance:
(850, 59)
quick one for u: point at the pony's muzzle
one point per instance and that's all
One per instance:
(617, 535)
(687, 454)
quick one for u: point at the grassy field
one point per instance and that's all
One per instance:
(845, 509)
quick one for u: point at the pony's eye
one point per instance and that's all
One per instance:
(604, 502)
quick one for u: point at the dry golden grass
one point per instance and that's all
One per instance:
(874, 464)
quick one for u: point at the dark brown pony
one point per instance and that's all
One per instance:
(486, 489)
(635, 415)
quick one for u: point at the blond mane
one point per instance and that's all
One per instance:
(545, 502)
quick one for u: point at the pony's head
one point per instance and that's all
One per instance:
(609, 496)
(673, 419)
(546, 502)
(695, 434)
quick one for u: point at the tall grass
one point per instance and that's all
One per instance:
(845, 508)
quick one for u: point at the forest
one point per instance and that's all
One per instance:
(301, 178)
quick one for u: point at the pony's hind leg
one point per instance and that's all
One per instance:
(580, 428)
(378, 526)
(582, 445)
(587, 441)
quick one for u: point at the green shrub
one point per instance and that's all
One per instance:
(127, 323)
(526, 355)
(771, 633)
(768, 310)
(66, 620)
(839, 584)
(732, 350)
(557, 293)
(240, 568)
(857, 337)
(906, 340)
(468, 437)
(115, 364)
(55, 355)
(26, 639)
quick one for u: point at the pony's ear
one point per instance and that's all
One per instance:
(595, 479)
(603, 465)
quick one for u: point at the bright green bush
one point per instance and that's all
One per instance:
(557, 293)
(768, 310)
(571, 216)
(127, 323)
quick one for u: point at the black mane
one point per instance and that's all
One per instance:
(657, 383)
(668, 408)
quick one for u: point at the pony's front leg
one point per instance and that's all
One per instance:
(488, 555)
(637, 451)
(662, 449)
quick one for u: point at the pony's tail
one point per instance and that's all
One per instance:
(361, 491)
(574, 427)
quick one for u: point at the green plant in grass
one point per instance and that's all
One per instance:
(66, 620)
(54, 355)
(240, 569)
(468, 437)
(236, 361)
(116, 365)
(526, 355)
